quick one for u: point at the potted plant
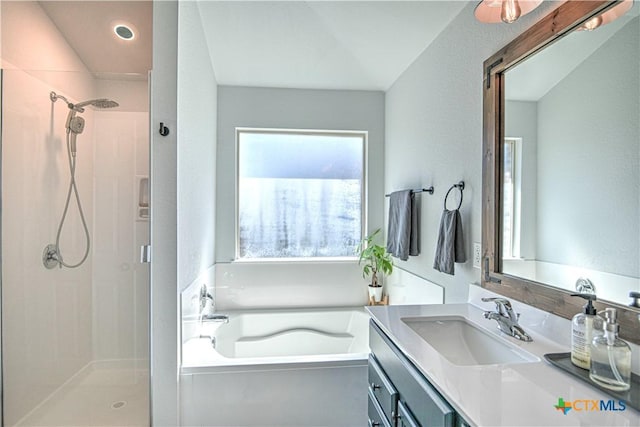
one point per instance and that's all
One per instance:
(374, 258)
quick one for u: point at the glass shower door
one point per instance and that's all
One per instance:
(75, 337)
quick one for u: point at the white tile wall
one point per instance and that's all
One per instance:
(46, 313)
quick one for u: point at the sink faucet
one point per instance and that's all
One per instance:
(507, 319)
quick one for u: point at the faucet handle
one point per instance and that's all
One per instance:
(502, 304)
(499, 301)
(204, 296)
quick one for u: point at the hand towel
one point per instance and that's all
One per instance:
(402, 231)
(450, 246)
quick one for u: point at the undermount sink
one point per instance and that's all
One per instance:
(464, 344)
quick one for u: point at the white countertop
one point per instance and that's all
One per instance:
(522, 394)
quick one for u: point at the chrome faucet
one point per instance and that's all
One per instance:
(211, 315)
(507, 319)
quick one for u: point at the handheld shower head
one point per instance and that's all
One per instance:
(75, 124)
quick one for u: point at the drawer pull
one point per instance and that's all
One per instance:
(375, 386)
(374, 424)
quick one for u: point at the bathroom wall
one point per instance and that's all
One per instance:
(258, 284)
(183, 190)
(197, 111)
(164, 285)
(434, 134)
(603, 182)
(47, 317)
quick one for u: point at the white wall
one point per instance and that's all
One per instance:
(46, 313)
(434, 134)
(197, 110)
(164, 288)
(182, 229)
(292, 109)
(590, 174)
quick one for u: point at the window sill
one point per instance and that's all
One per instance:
(317, 260)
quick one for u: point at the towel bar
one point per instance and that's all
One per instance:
(418, 190)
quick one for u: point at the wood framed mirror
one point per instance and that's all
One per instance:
(543, 294)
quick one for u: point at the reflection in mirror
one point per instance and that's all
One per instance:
(571, 198)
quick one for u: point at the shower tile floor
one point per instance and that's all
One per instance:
(105, 394)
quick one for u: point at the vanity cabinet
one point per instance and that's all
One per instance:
(399, 395)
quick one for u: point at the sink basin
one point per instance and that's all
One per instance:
(464, 344)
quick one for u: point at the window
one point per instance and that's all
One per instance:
(512, 168)
(300, 193)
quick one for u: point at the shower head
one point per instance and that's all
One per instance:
(79, 107)
(98, 103)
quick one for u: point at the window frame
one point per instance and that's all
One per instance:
(364, 201)
(513, 250)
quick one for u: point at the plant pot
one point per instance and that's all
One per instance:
(375, 293)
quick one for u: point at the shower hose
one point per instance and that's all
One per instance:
(72, 189)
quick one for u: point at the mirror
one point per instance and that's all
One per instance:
(562, 160)
(571, 162)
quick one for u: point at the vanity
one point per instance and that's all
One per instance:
(398, 393)
(552, 217)
(448, 365)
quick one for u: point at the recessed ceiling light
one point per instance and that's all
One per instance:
(123, 32)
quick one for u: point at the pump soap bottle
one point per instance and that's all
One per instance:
(584, 327)
(610, 356)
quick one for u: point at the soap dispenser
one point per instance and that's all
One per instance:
(584, 327)
(610, 356)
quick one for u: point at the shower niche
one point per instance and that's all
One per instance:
(142, 187)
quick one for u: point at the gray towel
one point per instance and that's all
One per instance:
(450, 247)
(402, 233)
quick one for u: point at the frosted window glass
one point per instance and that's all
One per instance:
(299, 194)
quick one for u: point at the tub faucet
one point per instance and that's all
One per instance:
(507, 319)
(210, 314)
(204, 297)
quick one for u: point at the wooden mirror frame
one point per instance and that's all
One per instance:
(557, 301)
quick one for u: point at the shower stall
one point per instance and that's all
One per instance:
(74, 213)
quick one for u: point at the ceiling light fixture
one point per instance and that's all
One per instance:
(607, 17)
(124, 32)
(507, 11)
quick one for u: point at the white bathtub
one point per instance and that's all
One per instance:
(293, 367)
(279, 336)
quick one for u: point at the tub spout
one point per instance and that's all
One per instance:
(212, 339)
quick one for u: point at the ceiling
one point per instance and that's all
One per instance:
(346, 44)
(320, 44)
(88, 28)
(298, 44)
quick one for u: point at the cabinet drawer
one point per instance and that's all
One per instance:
(405, 418)
(382, 389)
(376, 416)
(417, 395)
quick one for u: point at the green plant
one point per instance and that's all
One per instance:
(374, 257)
